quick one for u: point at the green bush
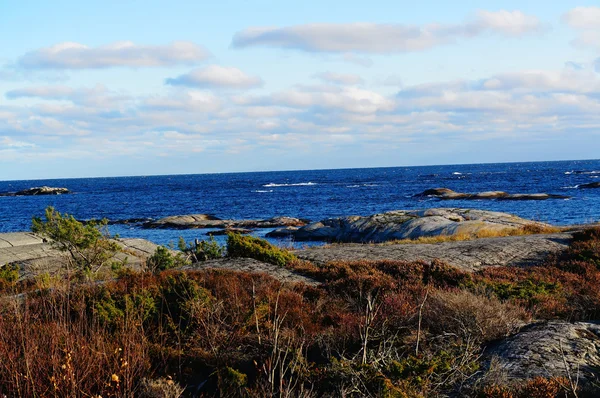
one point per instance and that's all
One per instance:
(259, 249)
(89, 245)
(202, 250)
(9, 274)
(163, 259)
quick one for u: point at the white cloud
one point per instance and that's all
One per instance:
(96, 96)
(511, 23)
(193, 100)
(583, 17)
(586, 20)
(349, 99)
(8, 142)
(384, 38)
(215, 76)
(71, 55)
(339, 78)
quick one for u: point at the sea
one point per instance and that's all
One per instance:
(307, 194)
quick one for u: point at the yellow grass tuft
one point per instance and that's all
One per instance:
(530, 229)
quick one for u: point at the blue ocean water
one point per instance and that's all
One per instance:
(314, 194)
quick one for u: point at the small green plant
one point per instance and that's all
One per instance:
(9, 274)
(89, 245)
(259, 249)
(163, 259)
(202, 250)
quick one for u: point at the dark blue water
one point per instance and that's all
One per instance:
(313, 194)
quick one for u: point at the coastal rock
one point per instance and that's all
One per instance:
(38, 191)
(548, 349)
(468, 255)
(283, 232)
(448, 194)
(209, 221)
(35, 255)
(590, 185)
(404, 224)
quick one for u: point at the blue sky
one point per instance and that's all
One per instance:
(153, 87)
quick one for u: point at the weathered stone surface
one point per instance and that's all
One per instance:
(283, 232)
(253, 266)
(447, 194)
(38, 191)
(208, 221)
(590, 185)
(35, 255)
(404, 224)
(469, 255)
(547, 349)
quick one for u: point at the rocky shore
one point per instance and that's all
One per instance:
(408, 224)
(546, 349)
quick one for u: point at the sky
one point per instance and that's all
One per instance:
(115, 88)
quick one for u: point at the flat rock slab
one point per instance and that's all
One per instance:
(14, 239)
(36, 256)
(469, 255)
(254, 266)
(548, 349)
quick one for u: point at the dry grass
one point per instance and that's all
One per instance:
(531, 229)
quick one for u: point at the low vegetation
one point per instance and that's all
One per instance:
(531, 229)
(371, 329)
(259, 249)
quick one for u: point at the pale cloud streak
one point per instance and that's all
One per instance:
(71, 55)
(215, 76)
(385, 38)
(339, 78)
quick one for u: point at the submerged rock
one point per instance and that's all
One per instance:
(551, 349)
(448, 194)
(38, 191)
(404, 224)
(590, 185)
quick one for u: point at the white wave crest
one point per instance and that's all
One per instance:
(299, 184)
(263, 191)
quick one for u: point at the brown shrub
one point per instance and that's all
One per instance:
(471, 316)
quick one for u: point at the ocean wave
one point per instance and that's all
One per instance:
(352, 186)
(299, 184)
(263, 191)
(573, 187)
(456, 173)
(582, 172)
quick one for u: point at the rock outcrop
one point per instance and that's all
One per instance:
(590, 185)
(404, 224)
(470, 255)
(448, 194)
(548, 349)
(35, 255)
(38, 191)
(197, 221)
